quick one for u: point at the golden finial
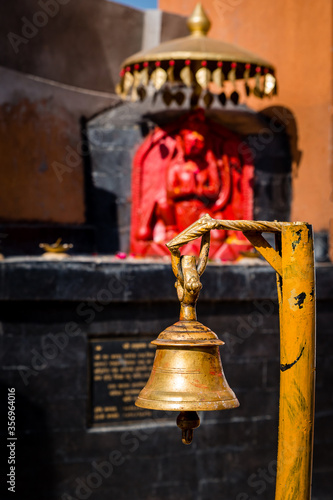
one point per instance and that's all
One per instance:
(198, 22)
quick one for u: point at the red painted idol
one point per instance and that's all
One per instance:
(182, 171)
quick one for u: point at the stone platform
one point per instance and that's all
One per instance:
(52, 312)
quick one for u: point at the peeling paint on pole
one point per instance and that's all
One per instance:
(297, 364)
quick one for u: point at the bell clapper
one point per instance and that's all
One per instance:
(187, 421)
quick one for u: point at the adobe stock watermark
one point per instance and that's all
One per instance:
(103, 470)
(248, 324)
(74, 156)
(31, 27)
(259, 481)
(54, 344)
(263, 477)
(223, 7)
(277, 124)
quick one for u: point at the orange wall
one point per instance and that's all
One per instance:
(296, 36)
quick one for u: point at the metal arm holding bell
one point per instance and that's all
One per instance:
(187, 374)
(293, 261)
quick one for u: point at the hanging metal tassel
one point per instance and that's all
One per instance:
(194, 99)
(136, 82)
(120, 86)
(128, 81)
(234, 97)
(158, 76)
(186, 74)
(170, 72)
(269, 84)
(203, 75)
(218, 76)
(141, 91)
(246, 77)
(167, 97)
(222, 98)
(275, 90)
(208, 99)
(257, 88)
(232, 73)
(179, 97)
(144, 74)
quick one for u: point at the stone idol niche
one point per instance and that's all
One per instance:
(180, 172)
(156, 171)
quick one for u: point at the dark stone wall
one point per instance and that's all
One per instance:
(59, 65)
(81, 42)
(59, 457)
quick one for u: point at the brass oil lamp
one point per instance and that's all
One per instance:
(187, 375)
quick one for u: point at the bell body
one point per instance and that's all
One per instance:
(187, 374)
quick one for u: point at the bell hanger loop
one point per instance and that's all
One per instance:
(176, 257)
(188, 273)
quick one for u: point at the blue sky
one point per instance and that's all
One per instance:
(139, 4)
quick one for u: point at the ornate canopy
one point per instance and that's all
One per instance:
(206, 66)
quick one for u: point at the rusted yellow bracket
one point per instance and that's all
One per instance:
(293, 260)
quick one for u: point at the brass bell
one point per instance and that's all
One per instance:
(187, 374)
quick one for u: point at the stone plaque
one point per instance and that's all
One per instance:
(119, 369)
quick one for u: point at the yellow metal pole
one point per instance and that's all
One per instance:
(294, 263)
(296, 289)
